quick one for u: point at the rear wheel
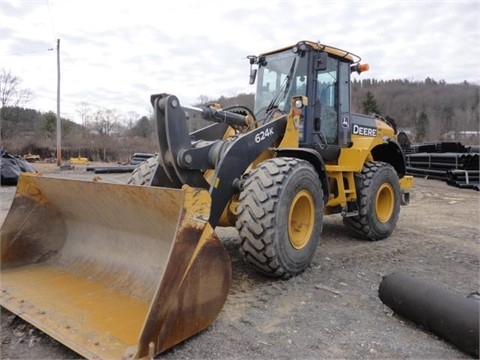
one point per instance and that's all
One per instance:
(378, 199)
(280, 216)
(144, 172)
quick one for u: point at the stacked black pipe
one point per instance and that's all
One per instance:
(138, 158)
(439, 147)
(467, 179)
(451, 162)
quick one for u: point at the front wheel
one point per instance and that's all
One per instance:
(378, 199)
(280, 216)
(143, 173)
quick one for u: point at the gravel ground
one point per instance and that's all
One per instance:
(332, 310)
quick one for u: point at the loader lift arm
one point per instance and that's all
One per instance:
(181, 163)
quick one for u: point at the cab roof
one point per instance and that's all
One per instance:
(320, 47)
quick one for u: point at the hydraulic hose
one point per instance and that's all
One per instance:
(211, 114)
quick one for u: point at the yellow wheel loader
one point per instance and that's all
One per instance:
(128, 271)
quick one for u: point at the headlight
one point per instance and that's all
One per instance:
(298, 103)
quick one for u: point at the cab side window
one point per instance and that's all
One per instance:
(327, 82)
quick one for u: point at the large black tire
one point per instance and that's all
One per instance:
(280, 216)
(144, 172)
(378, 199)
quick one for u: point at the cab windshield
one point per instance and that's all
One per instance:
(277, 81)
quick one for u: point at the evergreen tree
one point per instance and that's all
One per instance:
(421, 126)
(369, 105)
(49, 125)
(143, 128)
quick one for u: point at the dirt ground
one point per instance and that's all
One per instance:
(332, 310)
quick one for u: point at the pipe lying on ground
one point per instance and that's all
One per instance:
(114, 169)
(430, 173)
(450, 316)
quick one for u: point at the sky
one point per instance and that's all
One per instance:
(115, 54)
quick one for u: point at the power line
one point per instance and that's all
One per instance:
(29, 52)
(54, 33)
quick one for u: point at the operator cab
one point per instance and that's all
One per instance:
(319, 72)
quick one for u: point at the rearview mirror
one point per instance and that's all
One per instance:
(253, 75)
(321, 61)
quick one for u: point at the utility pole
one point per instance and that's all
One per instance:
(59, 125)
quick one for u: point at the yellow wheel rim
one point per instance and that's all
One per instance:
(384, 202)
(301, 219)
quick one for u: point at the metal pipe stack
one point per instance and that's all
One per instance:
(450, 162)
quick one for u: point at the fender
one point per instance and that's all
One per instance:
(314, 158)
(391, 152)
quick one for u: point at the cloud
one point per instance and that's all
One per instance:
(117, 56)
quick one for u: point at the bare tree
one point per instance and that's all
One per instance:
(202, 100)
(83, 110)
(12, 96)
(11, 93)
(104, 122)
(130, 120)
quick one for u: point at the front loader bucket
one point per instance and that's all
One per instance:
(112, 271)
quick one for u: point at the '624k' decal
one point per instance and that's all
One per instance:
(262, 135)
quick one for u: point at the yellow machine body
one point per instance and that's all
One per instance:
(126, 271)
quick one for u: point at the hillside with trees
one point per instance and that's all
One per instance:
(104, 136)
(428, 110)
